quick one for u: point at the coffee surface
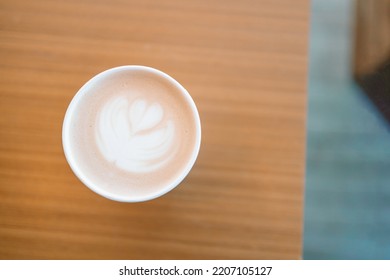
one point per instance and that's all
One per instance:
(133, 132)
(136, 134)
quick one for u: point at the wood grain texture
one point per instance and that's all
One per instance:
(244, 63)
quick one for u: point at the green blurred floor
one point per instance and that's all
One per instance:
(347, 199)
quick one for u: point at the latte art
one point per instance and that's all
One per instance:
(131, 133)
(134, 135)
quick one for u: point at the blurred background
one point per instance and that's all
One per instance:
(347, 196)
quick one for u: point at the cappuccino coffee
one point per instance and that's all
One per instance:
(131, 133)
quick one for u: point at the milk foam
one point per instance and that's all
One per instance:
(131, 133)
(134, 135)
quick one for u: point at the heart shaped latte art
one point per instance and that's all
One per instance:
(134, 134)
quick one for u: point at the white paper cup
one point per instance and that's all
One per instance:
(74, 164)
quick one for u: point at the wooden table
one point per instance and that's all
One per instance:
(244, 63)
